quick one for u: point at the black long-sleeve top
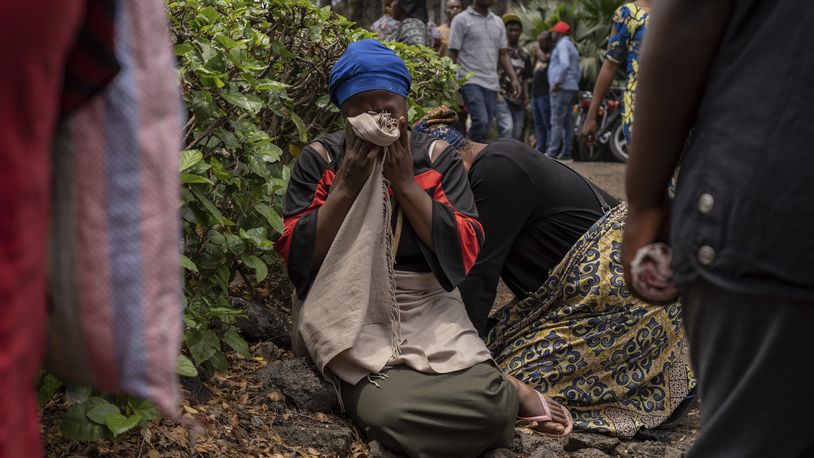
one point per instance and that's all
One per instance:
(457, 234)
(533, 209)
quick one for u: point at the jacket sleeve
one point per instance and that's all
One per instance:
(307, 190)
(456, 233)
(620, 36)
(562, 63)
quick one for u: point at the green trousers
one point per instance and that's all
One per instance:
(460, 414)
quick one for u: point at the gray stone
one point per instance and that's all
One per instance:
(589, 453)
(269, 351)
(579, 441)
(263, 323)
(526, 442)
(500, 453)
(377, 450)
(300, 382)
(549, 450)
(647, 449)
(329, 438)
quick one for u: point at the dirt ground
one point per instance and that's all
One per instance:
(275, 406)
(609, 176)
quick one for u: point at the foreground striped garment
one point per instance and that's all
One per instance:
(115, 282)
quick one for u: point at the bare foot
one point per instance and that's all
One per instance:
(532, 406)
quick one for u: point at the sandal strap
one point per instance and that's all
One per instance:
(546, 408)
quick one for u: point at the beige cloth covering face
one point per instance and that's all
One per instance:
(361, 316)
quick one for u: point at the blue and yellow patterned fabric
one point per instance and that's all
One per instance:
(619, 364)
(629, 24)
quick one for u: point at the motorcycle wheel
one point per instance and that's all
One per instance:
(585, 153)
(618, 144)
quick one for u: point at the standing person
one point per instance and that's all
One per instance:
(412, 15)
(32, 76)
(563, 80)
(72, 61)
(742, 215)
(477, 42)
(540, 105)
(453, 8)
(511, 111)
(629, 24)
(386, 26)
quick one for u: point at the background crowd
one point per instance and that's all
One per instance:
(506, 83)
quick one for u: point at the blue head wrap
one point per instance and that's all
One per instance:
(368, 65)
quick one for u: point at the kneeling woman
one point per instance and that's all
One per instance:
(575, 332)
(411, 369)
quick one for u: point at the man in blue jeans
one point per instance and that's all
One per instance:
(477, 42)
(563, 78)
(540, 104)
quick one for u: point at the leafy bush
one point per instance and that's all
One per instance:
(91, 416)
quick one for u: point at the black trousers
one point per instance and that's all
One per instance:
(754, 359)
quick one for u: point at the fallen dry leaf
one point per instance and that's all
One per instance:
(190, 410)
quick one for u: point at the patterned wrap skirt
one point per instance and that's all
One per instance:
(617, 363)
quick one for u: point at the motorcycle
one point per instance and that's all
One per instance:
(610, 140)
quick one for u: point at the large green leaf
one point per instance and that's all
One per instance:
(227, 42)
(185, 367)
(233, 339)
(187, 264)
(99, 409)
(219, 361)
(189, 178)
(261, 271)
(143, 408)
(203, 345)
(189, 158)
(211, 208)
(76, 425)
(301, 131)
(75, 393)
(46, 389)
(270, 152)
(248, 102)
(118, 423)
(274, 219)
(266, 84)
(257, 236)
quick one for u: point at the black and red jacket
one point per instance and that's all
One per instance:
(457, 235)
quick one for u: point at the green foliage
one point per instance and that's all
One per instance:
(255, 80)
(434, 78)
(590, 22)
(96, 417)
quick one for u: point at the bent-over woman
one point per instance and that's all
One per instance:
(574, 331)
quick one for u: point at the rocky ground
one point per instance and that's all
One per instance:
(275, 405)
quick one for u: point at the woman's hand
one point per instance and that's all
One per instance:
(398, 163)
(357, 163)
